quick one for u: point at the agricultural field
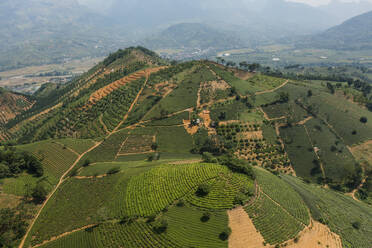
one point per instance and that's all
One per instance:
(338, 211)
(257, 83)
(272, 221)
(54, 157)
(187, 90)
(335, 157)
(133, 235)
(301, 152)
(61, 214)
(108, 150)
(154, 190)
(187, 229)
(282, 193)
(248, 142)
(77, 145)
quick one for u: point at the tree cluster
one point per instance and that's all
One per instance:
(13, 162)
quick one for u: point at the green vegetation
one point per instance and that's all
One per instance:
(13, 162)
(132, 235)
(77, 145)
(186, 228)
(275, 225)
(151, 192)
(54, 158)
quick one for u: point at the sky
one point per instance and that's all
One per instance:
(104, 3)
(322, 2)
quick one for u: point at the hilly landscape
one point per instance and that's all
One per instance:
(141, 151)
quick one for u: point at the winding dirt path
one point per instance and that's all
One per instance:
(272, 90)
(64, 234)
(316, 154)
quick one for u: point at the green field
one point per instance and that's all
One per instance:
(77, 145)
(187, 230)
(154, 190)
(300, 151)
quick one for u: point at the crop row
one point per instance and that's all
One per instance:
(154, 190)
(224, 190)
(273, 222)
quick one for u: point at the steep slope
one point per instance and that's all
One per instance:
(11, 105)
(89, 105)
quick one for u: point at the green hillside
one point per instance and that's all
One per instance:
(141, 152)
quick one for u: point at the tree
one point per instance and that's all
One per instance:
(86, 162)
(363, 119)
(203, 190)
(12, 227)
(154, 146)
(39, 193)
(309, 93)
(224, 235)
(283, 97)
(205, 217)
(113, 170)
(160, 225)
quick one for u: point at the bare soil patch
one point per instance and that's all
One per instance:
(244, 234)
(316, 235)
(190, 129)
(251, 135)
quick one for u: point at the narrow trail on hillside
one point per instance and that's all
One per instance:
(316, 154)
(61, 180)
(103, 125)
(64, 234)
(272, 90)
(68, 148)
(131, 107)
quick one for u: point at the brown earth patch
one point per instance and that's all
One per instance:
(108, 89)
(316, 235)
(303, 122)
(363, 151)
(244, 75)
(244, 234)
(251, 135)
(190, 129)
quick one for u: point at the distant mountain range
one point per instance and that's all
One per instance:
(355, 33)
(47, 31)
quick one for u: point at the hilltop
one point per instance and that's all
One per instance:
(143, 152)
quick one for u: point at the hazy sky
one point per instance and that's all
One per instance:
(323, 2)
(105, 3)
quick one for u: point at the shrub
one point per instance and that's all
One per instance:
(160, 225)
(39, 193)
(203, 190)
(180, 203)
(224, 235)
(363, 119)
(205, 217)
(356, 225)
(86, 163)
(113, 170)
